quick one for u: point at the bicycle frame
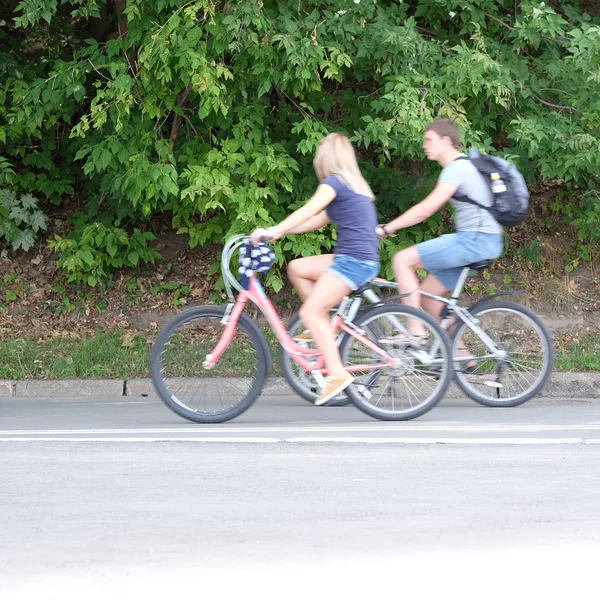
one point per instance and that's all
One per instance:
(256, 294)
(451, 305)
(465, 316)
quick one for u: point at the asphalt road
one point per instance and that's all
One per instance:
(290, 419)
(121, 498)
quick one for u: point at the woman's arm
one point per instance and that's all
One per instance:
(320, 199)
(312, 224)
(299, 218)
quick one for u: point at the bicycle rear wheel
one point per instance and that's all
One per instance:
(199, 394)
(422, 373)
(527, 363)
(301, 381)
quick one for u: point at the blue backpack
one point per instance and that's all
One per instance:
(509, 190)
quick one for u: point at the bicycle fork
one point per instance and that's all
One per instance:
(497, 354)
(232, 314)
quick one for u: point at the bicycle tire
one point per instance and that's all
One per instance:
(473, 384)
(159, 377)
(437, 376)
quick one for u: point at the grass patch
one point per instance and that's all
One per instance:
(104, 355)
(582, 354)
(114, 355)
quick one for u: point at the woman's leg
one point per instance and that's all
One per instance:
(304, 272)
(327, 293)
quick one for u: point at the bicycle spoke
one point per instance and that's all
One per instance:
(202, 391)
(520, 335)
(412, 384)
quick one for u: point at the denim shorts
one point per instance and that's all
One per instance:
(446, 255)
(353, 271)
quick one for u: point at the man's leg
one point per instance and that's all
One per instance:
(304, 272)
(404, 264)
(432, 285)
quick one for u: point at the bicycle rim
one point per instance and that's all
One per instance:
(421, 376)
(199, 394)
(522, 373)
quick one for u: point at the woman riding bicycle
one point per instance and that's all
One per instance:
(344, 198)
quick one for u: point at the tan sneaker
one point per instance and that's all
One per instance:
(333, 386)
(305, 336)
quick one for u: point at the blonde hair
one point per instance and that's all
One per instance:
(335, 156)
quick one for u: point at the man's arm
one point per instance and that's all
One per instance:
(427, 207)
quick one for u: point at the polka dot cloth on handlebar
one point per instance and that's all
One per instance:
(254, 259)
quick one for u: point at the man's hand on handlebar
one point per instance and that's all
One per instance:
(382, 231)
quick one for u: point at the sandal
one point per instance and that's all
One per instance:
(471, 366)
(416, 340)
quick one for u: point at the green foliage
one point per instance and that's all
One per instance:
(92, 252)
(10, 290)
(210, 112)
(586, 218)
(531, 252)
(20, 220)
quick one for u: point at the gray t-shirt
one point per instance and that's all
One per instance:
(470, 182)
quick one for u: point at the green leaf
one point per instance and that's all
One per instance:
(86, 256)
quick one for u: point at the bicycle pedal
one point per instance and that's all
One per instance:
(493, 384)
(422, 356)
(364, 391)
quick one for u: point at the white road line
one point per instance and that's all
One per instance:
(416, 440)
(309, 440)
(216, 429)
(134, 440)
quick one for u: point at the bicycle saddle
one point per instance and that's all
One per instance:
(479, 266)
(361, 289)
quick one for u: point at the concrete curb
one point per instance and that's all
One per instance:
(561, 385)
(60, 388)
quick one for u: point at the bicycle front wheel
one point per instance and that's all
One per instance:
(422, 371)
(519, 366)
(208, 395)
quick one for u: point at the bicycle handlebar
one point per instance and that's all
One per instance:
(229, 280)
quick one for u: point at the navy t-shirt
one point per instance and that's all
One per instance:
(356, 220)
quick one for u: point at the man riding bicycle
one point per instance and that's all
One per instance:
(478, 235)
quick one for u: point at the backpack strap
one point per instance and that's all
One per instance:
(466, 198)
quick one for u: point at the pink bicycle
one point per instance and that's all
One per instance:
(209, 363)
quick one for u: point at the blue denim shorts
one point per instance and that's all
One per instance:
(353, 271)
(446, 255)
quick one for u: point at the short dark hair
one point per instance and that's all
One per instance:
(445, 127)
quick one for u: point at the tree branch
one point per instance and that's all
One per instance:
(499, 21)
(556, 41)
(555, 106)
(557, 90)
(181, 102)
